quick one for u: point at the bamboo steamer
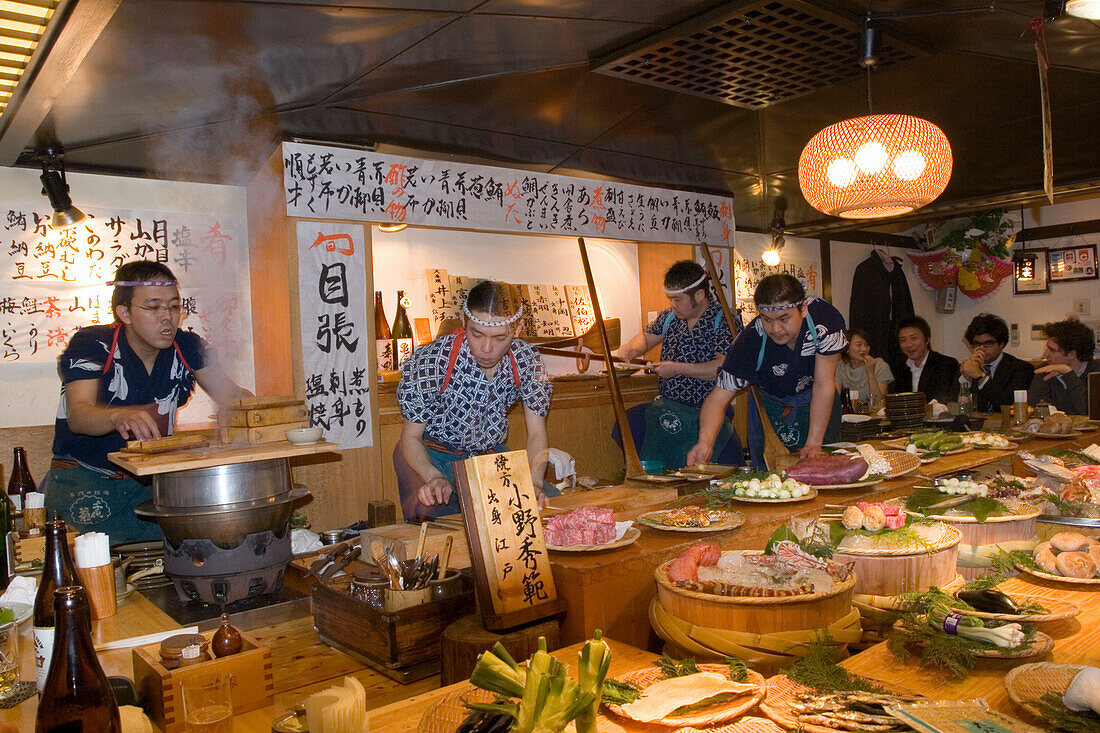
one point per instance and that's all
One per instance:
(753, 615)
(887, 572)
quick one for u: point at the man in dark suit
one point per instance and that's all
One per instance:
(993, 375)
(924, 370)
(1063, 379)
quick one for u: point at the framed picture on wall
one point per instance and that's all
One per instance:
(1068, 264)
(1032, 272)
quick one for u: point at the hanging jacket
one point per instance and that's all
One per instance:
(879, 300)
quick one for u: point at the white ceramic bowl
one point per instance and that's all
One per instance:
(303, 436)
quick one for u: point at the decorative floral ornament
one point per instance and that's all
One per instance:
(974, 252)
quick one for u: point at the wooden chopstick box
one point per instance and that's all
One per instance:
(402, 644)
(253, 686)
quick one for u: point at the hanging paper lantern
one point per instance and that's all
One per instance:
(875, 166)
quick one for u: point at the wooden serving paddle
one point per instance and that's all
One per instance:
(773, 446)
(630, 450)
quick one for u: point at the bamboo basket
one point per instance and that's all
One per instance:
(887, 572)
(755, 615)
(1027, 683)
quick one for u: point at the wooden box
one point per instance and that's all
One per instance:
(403, 645)
(252, 687)
(402, 538)
(28, 547)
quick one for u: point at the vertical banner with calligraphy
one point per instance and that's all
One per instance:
(332, 297)
(501, 514)
(748, 274)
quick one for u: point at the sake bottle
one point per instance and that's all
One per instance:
(21, 482)
(76, 695)
(402, 331)
(383, 340)
(58, 571)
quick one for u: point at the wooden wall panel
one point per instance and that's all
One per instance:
(653, 260)
(37, 440)
(269, 270)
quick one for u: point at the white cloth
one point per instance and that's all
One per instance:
(302, 540)
(21, 589)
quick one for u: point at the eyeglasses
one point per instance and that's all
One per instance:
(160, 310)
(987, 342)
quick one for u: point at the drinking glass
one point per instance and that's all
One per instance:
(9, 657)
(207, 705)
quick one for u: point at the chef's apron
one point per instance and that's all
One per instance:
(790, 415)
(672, 429)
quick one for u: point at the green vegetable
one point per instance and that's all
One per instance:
(497, 672)
(6, 615)
(943, 618)
(620, 693)
(818, 669)
(739, 671)
(595, 658)
(981, 507)
(671, 668)
(1057, 717)
(704, 703)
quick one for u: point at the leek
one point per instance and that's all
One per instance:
(595, 658)
(497, 672)
(942, 617)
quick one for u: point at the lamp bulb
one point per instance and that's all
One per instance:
(770, 257)
(841, 172)
(871, 157)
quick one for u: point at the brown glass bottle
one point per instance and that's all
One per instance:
(402, 331)
(21, 482)
(383, 340)
(58, 571)
(76, 696)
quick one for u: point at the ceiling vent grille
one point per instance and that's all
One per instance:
(754, 55)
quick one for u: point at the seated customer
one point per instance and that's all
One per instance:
(858, 370)
(992, 374)
(924, 370)
(1063, 380)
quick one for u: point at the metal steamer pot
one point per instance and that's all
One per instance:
(223, 503)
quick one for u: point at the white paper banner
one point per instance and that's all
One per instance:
(332, 296)
(337, 183)
(749, 273)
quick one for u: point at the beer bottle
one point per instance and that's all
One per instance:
(383, 340)
(58, 571)
(7, 549)
(76, 696)
(402, 331)
(20, 482)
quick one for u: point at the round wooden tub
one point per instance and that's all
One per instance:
(889, 571)
(981, 539)
(768, 615)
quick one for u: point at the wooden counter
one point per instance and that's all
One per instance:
(612, 590)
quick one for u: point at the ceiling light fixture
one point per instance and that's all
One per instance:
(874, 166)
(1087, 9)
(56, 189)
(770, 257)
(22, 23)
(392, 227)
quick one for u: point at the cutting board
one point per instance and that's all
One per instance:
(402, 538)
(616, 498)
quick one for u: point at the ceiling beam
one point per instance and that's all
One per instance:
(1058, 231)
(73, 30)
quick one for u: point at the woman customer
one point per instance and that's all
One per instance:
(860, 372)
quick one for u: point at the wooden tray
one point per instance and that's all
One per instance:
(1039, 645)
(856, 485)
(782, 692)
(1032, 513)
(735, 520)
(629, 538)
(901, 443)
(1060, 578)
(1027, 683)
(720, 713)
(1052, 436)
(758, 500)
(215, 455)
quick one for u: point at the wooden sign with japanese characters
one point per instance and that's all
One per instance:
(501, 513)
(338, 183)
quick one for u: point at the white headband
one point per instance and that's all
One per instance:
(779, 306)
(506, 322)
(695, 284)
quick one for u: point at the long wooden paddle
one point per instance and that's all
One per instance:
(773, 446)
(630, 451)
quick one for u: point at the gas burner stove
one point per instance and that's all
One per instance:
(261, 610)
(205, 572)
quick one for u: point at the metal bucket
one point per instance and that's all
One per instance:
(226, 525)
(220, 485)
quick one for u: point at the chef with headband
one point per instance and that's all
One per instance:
(124, 381)
(694, 339)
(790, 352)
(454, 397)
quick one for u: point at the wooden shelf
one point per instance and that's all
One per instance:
(141, 464)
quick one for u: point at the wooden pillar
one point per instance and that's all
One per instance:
(826, 269)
